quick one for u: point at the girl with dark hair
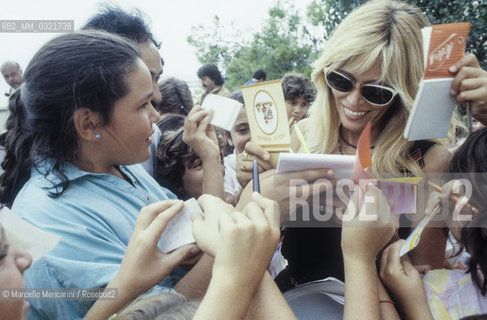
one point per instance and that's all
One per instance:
(451, 293)
(82, 120)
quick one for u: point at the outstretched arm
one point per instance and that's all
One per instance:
(366, 230)
(243, 244)
(144, 264)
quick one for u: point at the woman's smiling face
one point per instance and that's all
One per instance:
(354, 112)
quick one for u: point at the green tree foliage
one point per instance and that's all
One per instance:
(214, 43)
(475, 12)
(285, 42)
(329, 14)
(282, 45)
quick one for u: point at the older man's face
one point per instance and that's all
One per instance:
(12, 75)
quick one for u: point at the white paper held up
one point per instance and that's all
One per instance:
(225, 110)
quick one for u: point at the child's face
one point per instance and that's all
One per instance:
(126, 139)
(13, 263)
(296, 108)
(193, 179)
(476, 125)
(240, 134)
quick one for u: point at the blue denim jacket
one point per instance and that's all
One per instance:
(95, 216)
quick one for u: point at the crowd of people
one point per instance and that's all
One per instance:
(100, 152)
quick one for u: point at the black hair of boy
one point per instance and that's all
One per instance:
(211, 71)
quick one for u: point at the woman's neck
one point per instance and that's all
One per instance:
(90, 159)
(95, 167)
(351, 138)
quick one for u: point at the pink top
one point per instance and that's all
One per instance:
(452, 294)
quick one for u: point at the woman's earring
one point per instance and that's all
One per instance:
(98, 136)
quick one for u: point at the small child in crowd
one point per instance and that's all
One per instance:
(299, 93)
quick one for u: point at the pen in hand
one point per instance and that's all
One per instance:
(453, 197)
(469, 117)
(255, 173)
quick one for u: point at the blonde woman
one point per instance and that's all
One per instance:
(369, 71)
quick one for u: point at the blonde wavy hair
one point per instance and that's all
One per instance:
(380, 30)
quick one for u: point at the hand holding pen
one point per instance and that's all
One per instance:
(255, 176)
(453, 197)
(470, 87)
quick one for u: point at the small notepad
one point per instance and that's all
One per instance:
(225, 110)
(179, 231)
(342, 165)
(430, 117)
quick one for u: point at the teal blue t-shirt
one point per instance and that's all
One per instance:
(95, 217)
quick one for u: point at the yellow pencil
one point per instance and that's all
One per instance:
(301, 139)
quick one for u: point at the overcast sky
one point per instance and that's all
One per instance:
(171, 23)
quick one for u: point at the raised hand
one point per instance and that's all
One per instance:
(470, 84)
(404, 283)
(200, 135)
(367, 225)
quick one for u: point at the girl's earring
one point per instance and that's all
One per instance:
(98, 136)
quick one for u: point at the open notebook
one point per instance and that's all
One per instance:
(341, 165)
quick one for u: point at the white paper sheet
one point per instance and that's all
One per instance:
(225, 110)
(340, 164)
(179, 230)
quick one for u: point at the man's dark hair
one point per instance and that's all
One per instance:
(211, 71)
(260, 74)
(131, 26)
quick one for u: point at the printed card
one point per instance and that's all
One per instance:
(267, 113)
(446, 46)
